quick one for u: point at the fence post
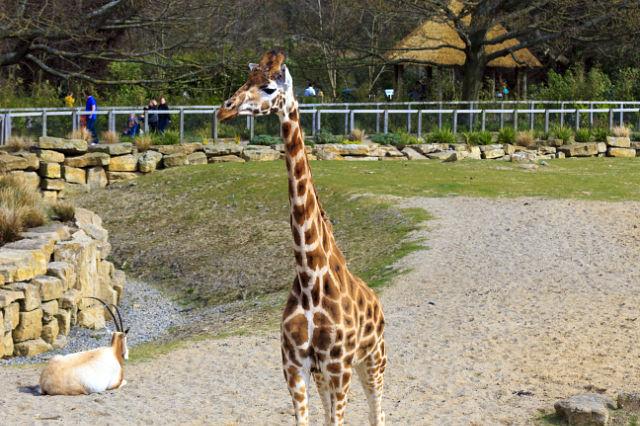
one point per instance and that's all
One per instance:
(112, 121)
(610, 118)
(44, 123)
(409, 119)
(532, 116)
(146, 122)
(561, 114)
(386, 121)
(252, 127)
(346, 119)
(419, 123)
(638, 120)
(181, 125)
(352, 121)
(484, 119)
(440, 115)
(214, 126)
(318, 121)
(378, 121)
(515, 119)
(622, 115)
(455, 121)
(8, 129)
(577, 119)
(74, 120)
(590, 114)
(546, 120)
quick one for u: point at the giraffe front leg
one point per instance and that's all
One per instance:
(298, 384)
(371, 374)
(338, 389)
(325, 395)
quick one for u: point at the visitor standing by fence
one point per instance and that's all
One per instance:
(163, 119)
(91, 120)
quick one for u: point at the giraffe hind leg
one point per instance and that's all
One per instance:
(371, 375)
(325, 395)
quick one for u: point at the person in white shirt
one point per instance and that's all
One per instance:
(309, 91)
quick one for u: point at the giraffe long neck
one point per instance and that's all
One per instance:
(312, 236)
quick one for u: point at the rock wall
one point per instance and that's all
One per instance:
(62, 166)
(44, 278)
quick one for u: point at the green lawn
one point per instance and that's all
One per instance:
(219, 233)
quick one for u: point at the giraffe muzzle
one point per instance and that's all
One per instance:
(227, 111)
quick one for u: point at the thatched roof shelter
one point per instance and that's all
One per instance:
(436, 42)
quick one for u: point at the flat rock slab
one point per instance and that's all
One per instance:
(112, 148)
(67, 146)
(591, 409)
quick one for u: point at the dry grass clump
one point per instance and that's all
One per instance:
(143, 142)
(526, 139)
(621, 132)
(21, 208)
(357, 135)
(109, 137)
(81, 133)
(63, 211)
(19, 143)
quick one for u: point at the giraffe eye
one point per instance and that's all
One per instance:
(268, 90)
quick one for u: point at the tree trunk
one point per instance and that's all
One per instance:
(473, 70)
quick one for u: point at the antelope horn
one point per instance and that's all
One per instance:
(115, 321)
(119, 316)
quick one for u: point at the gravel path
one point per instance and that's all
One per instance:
(532, 297)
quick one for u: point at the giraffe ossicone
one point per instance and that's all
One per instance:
(333, 322)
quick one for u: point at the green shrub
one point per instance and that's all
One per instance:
(563, 133)
(507, 135)
(540, 134)
(441, 136)
(600, 134)
(324, 136)
(583, 135)
(170, 137)
(635, 136)
(478, 138)
(266, 140)
(63, 211)
(386, 139)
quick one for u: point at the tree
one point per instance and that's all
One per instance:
(76, 39)
(534, 23)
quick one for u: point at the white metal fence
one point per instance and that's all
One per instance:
(412, 117)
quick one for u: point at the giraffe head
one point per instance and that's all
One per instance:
(269, 90)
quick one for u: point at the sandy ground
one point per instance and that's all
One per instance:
(512, 295)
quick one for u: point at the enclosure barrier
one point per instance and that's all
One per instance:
(456, 115)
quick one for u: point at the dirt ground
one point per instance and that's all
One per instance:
(515, 303)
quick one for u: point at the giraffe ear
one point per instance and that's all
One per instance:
(285, 77)
(252, 66)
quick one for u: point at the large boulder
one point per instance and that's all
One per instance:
(621, 152)
(120, 176)
(9, 296)
(112, 148)
(587, 149)
(64, 321)
(13, 162)
(22, 265)
(50, 287)
(585, 410)
(175, 160)
(11, 316)
(619, 142)
(64, 272)
(6, 343)
(92, 317)
(197, 157)
(31, 293)
(356, 149)
(226, 159)
(67, 146)
(219, 149)
(491, 153)
(74, 175)
(412, 154)
(32, 160)
(29, 326)
(260, 153)
(97, 177)
(50, 170)
(52, 184)
(50, 331)
(123, 163)
(49, 309)
(88, 160)
(49, 156)
(148, 162)
(428, 148)
(31, 348)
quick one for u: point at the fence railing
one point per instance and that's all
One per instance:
(415, 117)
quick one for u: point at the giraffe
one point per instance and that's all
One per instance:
(333, 322)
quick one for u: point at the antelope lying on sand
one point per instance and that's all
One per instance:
(91, 371)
